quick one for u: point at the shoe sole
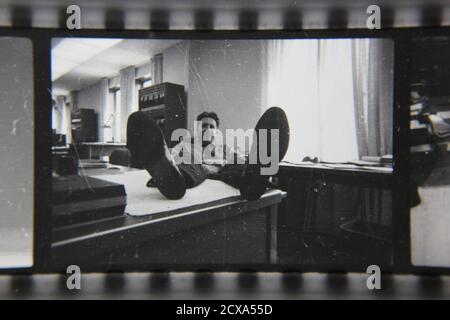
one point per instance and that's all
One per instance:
(275, 118)
(256, 184)
(166, 177)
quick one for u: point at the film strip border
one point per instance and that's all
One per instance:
(141, 15)
(224, 286)
(254, 285)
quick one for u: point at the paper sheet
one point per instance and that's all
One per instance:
(142, 200)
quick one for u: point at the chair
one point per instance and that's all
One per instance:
(120, 157)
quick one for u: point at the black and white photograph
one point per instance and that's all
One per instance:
(224, 150)
(429, 152)
(221, 153)
(17, 153)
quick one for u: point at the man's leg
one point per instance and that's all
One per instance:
(231, 174)
(149, 151)
(273, 118)
(254, 182)
(248, 178)
(193, 174)
(251, 186)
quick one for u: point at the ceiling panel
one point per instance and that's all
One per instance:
(79, 62)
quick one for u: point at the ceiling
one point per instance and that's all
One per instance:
(81, 62)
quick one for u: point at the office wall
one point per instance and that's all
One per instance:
(176, 64)
(17, 152)
(222, 76)
(226, 77)
(89, 97)
(96, 97)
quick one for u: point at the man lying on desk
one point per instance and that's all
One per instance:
(208, 158)
(190, 149)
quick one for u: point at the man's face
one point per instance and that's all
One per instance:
(209, 130)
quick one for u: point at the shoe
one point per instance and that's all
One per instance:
(275, 118)
(147, 145)
(254, 183)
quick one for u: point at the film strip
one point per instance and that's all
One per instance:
(175, 15)
(265, 286)
(410, 29)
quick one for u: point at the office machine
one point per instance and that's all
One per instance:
(84, 126)
(166, 103)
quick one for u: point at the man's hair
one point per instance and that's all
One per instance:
(212, 115)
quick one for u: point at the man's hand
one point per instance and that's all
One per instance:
(210, 169)
(215, 162)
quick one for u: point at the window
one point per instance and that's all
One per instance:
(337, 94)
(146, 83)
(143, 83)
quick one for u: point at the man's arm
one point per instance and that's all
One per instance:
(211, 169)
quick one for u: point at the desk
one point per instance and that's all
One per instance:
(375, 177)
(96, 150)
(216, 235)
(325, 176)
(323, 201)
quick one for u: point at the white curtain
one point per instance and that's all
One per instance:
(157, 68)
(61, 120)
(128, 99)
(56, 116)
(380, 96)
(325, 93)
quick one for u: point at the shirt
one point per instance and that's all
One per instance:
(190, 152)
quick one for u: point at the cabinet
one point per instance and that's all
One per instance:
(84, 126)
(166, 104)
(335, 216)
